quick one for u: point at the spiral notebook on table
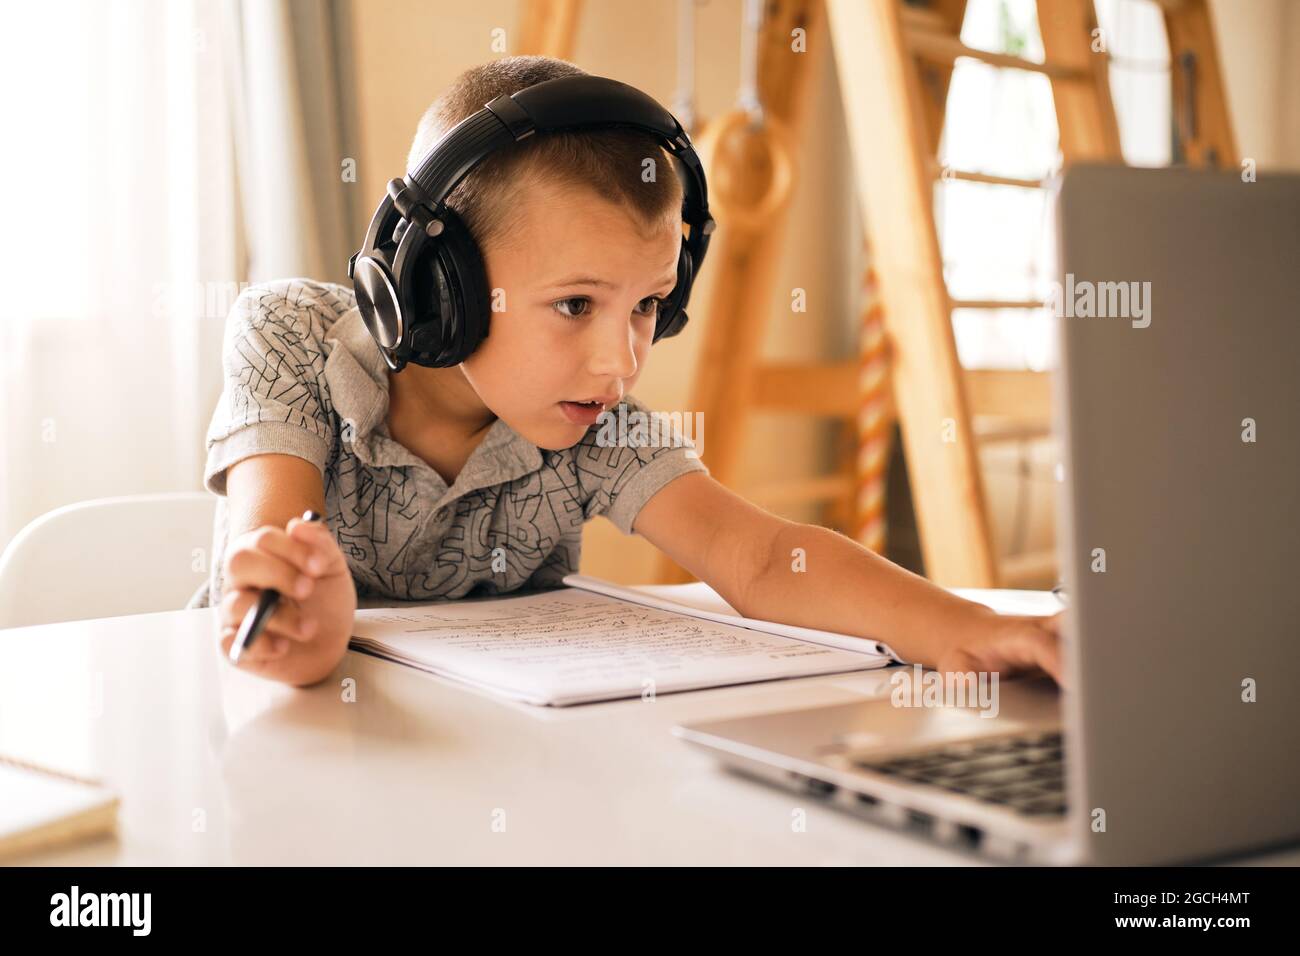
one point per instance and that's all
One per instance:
(593, 640)
(42, 808)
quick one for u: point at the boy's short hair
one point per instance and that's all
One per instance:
(609, 162)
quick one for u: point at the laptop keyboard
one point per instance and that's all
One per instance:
(1024, 773)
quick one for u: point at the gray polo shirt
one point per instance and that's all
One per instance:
(303, 377)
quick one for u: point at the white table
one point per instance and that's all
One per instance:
(215, 766)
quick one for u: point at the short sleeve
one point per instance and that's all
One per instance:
(632, 453)
(271, 399)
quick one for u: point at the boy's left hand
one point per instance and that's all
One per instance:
(1009, 644)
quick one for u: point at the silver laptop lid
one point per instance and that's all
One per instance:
(1183, 484)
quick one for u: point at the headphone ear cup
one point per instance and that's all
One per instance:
(674, 317)
(449, 297)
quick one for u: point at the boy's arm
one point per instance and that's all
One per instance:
(769, 568)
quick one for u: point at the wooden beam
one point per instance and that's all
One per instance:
(937, 48)
(1201, 115)
(1034, 569)
(998, 303)
(548, 28)
(815, 388)
(1016, 394)
(993, 431)
(947, 174)
(1085, 115)
(799, 490)
(941, 16)
(891, 160)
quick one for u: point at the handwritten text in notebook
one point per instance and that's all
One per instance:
(569, 646)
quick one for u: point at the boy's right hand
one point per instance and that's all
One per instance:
(309, 631)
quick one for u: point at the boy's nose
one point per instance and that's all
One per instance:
(612, 350)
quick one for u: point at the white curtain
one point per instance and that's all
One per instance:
(159, 154)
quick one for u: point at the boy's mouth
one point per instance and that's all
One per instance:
(586, 412)
(603, 401)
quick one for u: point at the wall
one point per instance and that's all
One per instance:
(1259, 50)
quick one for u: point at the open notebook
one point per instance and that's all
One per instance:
(41, 808)
(594, 640)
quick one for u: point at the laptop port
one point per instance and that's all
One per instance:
(868, 799)
(969, 836)
(820, 788)
(919, 822)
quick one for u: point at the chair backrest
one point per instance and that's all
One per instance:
(111, 556)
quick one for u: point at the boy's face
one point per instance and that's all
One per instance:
(559, 338)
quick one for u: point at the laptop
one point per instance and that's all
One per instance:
(1177, 403)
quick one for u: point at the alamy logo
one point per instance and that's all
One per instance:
(922, 688)
(1104, 300)
(637, 429)
(102, 909)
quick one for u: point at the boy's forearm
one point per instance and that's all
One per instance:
(815, 577)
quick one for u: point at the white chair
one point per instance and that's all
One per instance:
(130, 555)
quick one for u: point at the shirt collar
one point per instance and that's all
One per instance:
(358, 382)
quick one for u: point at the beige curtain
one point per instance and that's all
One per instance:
(288, 63)
(162, 154)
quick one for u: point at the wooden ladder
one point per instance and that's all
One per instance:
(895, 62)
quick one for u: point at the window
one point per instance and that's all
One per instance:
(996, 240)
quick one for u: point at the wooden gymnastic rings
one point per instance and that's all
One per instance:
(747, 153)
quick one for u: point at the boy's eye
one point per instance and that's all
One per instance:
(654, 301)
(566, 302)
(568, 309)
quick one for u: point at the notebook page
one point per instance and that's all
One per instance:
(570, 646)
(698, 600)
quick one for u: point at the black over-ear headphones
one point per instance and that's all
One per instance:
(423, 291)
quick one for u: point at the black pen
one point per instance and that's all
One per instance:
(255, 620)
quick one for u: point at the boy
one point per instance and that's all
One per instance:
(477, 479)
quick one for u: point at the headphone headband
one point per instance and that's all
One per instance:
(389, 273)
(567, 103)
